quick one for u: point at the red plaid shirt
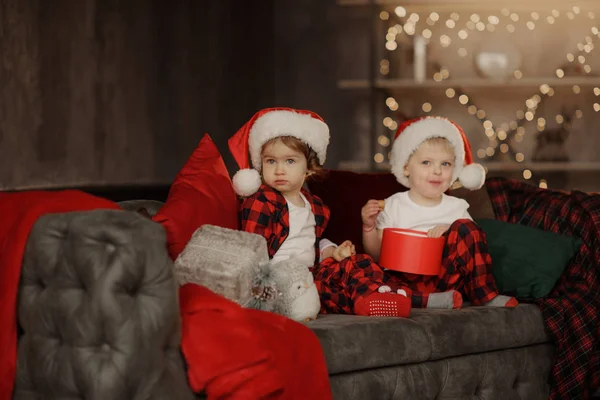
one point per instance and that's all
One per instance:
(266, 213)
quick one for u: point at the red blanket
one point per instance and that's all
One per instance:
(20, 211)
(231, 352)
(571, 312)
(237, 353)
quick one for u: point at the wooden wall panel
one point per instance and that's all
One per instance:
(119, 92)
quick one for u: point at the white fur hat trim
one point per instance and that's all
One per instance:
(312, 131)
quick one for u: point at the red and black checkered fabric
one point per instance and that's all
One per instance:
(265, 213)
(339, 284)
(571, 312)
(466, 267)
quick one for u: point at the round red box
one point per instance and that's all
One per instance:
(406, 250)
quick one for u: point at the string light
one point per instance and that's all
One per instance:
(384, 67)
(475, 22)
(400, 11)
(383, 141)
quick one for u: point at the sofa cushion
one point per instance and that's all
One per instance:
(345, 193)
(520, 373)
(201, 194)
(527, 262)
(354, 343)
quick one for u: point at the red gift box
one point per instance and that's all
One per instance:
(406, 250)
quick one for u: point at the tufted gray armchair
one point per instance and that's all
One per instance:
(98, 311)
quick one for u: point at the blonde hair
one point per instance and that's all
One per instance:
(438, 140)
(312, 160)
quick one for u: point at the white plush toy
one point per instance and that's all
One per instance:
(235, 264)
(297, 298)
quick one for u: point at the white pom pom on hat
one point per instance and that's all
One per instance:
(270, 123)
(412, 133)
(246, 182)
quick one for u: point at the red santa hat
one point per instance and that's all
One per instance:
(246, 145)
(412, 133)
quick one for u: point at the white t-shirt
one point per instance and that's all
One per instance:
(300, 242)
(401, 212)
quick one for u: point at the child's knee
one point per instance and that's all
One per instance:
(361, 259)
(464, 227)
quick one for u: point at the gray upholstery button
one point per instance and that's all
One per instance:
(110, 248)
(105, 347)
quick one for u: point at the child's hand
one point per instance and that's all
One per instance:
(437, 231)
(369, 213)
(343, 251)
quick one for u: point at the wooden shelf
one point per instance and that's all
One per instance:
(497, 166)
(451, 5)
(543, 166)
(469, 83)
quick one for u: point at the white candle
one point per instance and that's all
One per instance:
(420, 58)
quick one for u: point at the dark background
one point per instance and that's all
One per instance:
(109, 92)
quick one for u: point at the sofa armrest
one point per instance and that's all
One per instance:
(99, 311)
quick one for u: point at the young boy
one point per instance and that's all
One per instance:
(287, 146)
(428, 155)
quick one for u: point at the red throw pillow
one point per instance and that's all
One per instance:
(345, 193)
(201, 194)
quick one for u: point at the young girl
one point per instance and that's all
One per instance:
(287, 146)
(428, 155)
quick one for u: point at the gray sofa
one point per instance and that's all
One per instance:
(99, 318)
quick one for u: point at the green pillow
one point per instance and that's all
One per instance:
(526, 262)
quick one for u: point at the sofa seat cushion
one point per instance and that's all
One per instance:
(353, 343)
(513, 374)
